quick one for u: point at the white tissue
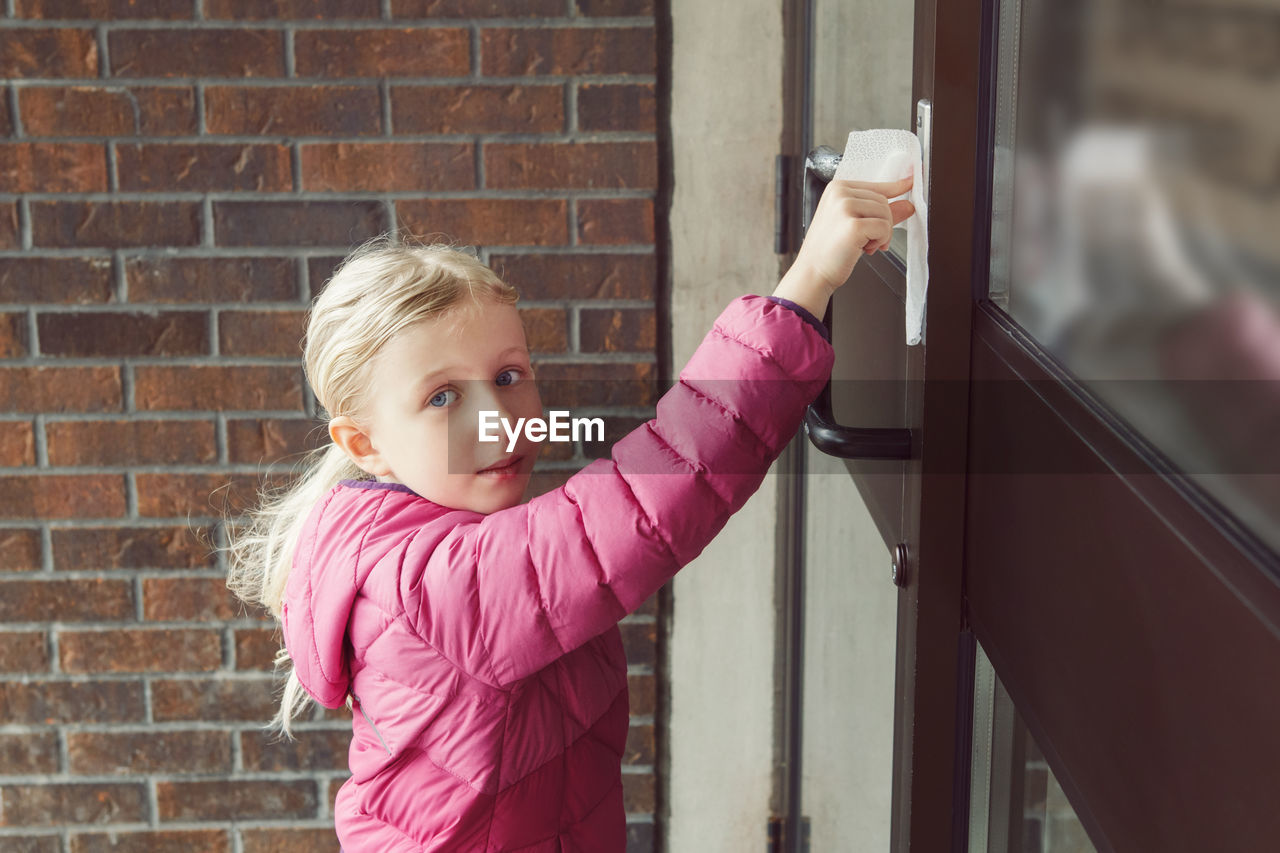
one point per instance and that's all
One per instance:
(890, 155)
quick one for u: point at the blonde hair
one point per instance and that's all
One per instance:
(381, 289)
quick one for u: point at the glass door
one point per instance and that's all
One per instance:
(1122, 499)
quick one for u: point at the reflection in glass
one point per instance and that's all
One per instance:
(1136, 222)
(862, 69)
(1015, 802)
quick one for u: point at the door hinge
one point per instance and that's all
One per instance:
(776, 837)
(783, 176)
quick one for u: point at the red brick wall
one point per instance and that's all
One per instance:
(177, 178)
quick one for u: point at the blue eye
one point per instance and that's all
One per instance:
(507, 377)
(442, 399)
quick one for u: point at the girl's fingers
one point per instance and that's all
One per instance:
(889, 189)
(901, 210)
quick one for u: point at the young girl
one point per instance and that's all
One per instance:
(475, 636)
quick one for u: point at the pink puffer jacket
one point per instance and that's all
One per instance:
(482, 651)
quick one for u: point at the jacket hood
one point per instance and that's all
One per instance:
(322, 589)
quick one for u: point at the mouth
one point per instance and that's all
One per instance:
(501, 470)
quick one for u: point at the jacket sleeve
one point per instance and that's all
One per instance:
(506, 594)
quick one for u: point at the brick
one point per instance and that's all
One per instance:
(81, 600)
(640, 837)
(71, 281)
(607, 106)
(239, 700)
(29, 753)
(21, 651)
(115, 224)
(132, 442)
(19, 550)
(6, 120)
(54, 805)
(547, 329)
(388, 166)
(204, 168)
(60, 389)
(62, 496)
(115, 334)
(289, 841)
(108, 110)
(264, 333)
(187, 53)
(189, 599)
(293, 110)
(515, 52)
(184, 495)
(238, 799)
(33, 843)
(173, 841)
(617, 330)
(52, 167)
(615, 221)
(54, 702)
(477, 109)
(579, 276)
(502, 222)
(417, 52)
(316, 749)
(319, 271)
(256, 648)
(615, 427)
(555, 452)
(265, 441)
(136, 753)
(614, 8)
(270, 10)
(218, 387)
(640, 745)
(107, 548)
(572, 386)
(638, 793)
(298, 223)
(643, 693)
(105, 9)
(140, 651)
(160, 279)
(590, 165)
(13, 335)
(8, 226)
(477, 8)
(26, 53)
(640, 639)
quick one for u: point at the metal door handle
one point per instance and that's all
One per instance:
(819, 423)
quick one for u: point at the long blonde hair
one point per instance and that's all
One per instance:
(381, 289)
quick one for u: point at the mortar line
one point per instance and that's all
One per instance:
(113, 167)
(120, 273)
(25, 225)
(201, 125)
(290, 57)
(15, 115)
(104, 54)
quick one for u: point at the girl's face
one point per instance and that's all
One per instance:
(429, 385)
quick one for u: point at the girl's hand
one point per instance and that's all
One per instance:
(853, 218)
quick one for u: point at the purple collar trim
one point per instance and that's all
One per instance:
(374, 484)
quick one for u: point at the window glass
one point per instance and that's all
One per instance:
(862, 67)
(1135, 222)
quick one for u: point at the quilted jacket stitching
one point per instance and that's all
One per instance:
(605, 581)
(735, 416)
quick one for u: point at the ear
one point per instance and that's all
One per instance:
(358, 446)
